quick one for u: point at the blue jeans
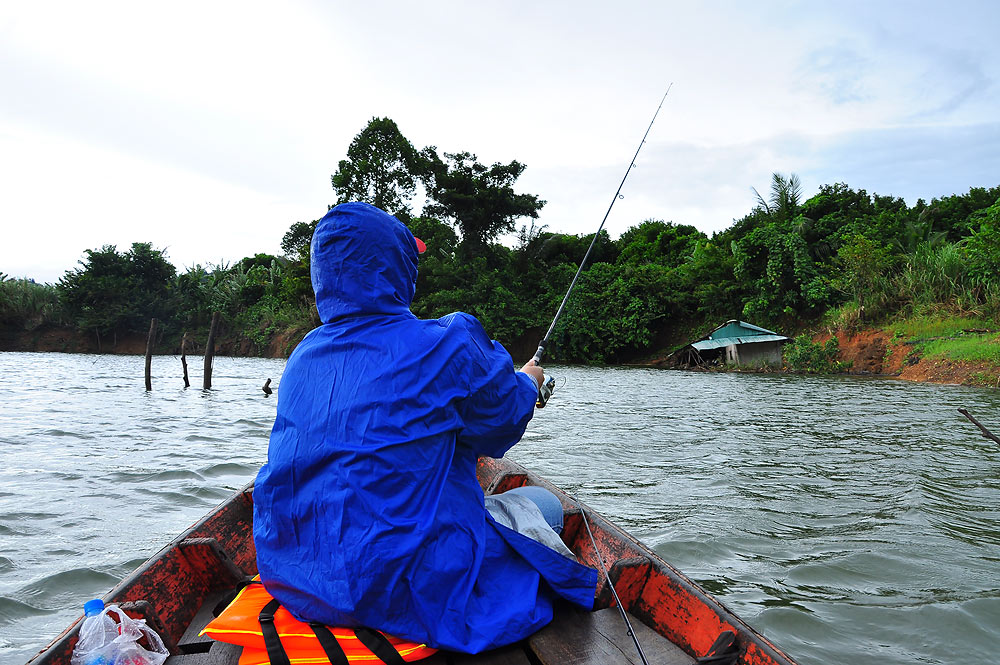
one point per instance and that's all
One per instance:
(547, 503)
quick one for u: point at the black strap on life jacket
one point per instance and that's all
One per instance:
(275, 652)
(376, 642)
(229, 597)
(331, 647)
(380, 646)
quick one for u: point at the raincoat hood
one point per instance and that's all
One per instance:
(363, 261)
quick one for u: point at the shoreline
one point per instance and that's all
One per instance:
(874, 352)
(868, 352)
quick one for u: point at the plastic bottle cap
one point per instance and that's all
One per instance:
(92, 607)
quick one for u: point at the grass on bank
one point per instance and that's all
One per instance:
(972, 348)
(955, 338)
(935, 334)
(928, 327)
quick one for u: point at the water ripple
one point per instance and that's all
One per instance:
(848, 520)
(817, 508)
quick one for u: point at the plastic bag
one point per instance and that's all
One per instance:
(130, 652)
(96, 643)
(124, 647)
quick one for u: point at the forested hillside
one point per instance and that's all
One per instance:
(841, 256)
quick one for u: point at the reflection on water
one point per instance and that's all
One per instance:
(848, 520)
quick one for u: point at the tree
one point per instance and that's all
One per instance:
(552, 249)
(381, 168)
(480, 200)
(953, 216)
(865, 263)
(614, 311)
(655, 241)
(785, 196)
(295, 243)
(119, 292)
(436, 271)
(982, 248)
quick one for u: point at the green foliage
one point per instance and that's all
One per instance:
(664, 243)
(806, 356)
(952, 216)
(480, 200)
(382, 168)
(295, 243)
(864, 264)
(923, 327)
(116, 292)
(786, 281)
(437, 264)
(786, 193)
(553, 249)
(614, 313)
(934, 275)
(982, 247)
(28, 305)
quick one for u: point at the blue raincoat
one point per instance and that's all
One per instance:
(368, 511)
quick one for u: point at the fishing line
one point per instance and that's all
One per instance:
(618, 194)
(607, 576)
(545, 391)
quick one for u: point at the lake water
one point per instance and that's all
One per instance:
(848, 520)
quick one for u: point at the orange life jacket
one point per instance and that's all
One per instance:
(269, 633)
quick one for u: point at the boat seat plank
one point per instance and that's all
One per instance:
(596, 638)
(509, 655)
(202, 618)
(220, 653)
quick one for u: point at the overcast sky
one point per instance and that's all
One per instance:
(208, 128)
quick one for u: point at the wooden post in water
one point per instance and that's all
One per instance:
(184, 362)
(210, 350)
(150, 342)
(986, 433)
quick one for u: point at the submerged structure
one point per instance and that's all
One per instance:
(733, 343)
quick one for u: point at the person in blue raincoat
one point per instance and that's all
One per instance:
(368, 511)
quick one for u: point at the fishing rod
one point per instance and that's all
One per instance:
(546, 389)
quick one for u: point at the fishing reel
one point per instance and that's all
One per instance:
(545, 391)
(549, 386)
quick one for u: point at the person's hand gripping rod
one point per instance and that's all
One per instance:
(546, 386)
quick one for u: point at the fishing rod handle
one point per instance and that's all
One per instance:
(537, 358)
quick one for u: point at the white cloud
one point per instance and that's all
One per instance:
(197, 219)
(209, 127)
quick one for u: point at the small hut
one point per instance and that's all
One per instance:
(734, 343)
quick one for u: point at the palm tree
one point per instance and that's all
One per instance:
(786, 193)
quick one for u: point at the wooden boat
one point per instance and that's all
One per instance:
(674, 620)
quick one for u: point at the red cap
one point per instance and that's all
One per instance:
(421, 246)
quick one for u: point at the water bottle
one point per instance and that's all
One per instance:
(96, 644)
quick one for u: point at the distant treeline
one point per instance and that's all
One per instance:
(842, 254)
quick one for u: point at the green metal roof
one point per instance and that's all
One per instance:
(737, 332)
(734, 328)
(720, 342)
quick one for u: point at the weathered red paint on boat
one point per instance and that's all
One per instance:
(218, 551)
(648, 587)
